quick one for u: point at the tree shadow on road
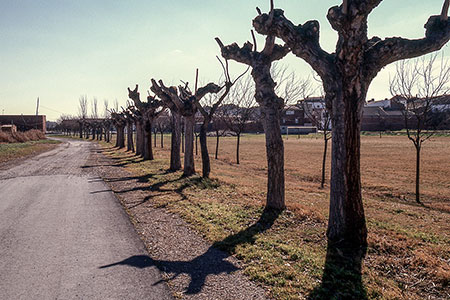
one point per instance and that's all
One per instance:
(212, 262)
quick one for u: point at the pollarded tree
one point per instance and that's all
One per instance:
(421, 84)
(119, 122)
(240, 110)
(319, 117)
(130, 119)
(182, 105)
(150, 111)
(346, 75)
(271, 106)
(220, 93)
(139, 122)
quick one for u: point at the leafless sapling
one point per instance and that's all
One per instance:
(421, 83)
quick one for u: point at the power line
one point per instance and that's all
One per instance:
(51, 109)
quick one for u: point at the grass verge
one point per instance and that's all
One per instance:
(15, 151)
(407, 257)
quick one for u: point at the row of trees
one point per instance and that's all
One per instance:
(345, 74)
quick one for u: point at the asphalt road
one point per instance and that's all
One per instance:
(59, 225)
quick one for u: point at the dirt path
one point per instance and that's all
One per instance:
(63, 234)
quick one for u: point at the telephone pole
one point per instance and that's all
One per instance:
(37, 107)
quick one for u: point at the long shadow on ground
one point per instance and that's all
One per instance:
(213, 261)
(341, 277)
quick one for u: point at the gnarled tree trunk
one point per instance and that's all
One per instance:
(206, 164)
(148, 150)
(189, 123)
(175, 158)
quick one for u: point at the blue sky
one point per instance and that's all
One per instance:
(59, 50)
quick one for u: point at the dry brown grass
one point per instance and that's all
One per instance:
(409, 252)
(21, 137)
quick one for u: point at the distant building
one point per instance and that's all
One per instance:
(8, 128)
(25, 122)
(441, 104)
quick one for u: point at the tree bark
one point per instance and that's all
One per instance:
(206, 164)
(189, 168)
(121, 136)
(175, 159)
(148, 150)
(162, 139)
(346, 226)
(130, 143)
(275, 158)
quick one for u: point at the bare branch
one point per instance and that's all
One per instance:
(255, 47)
(444, 12)
(345, 7)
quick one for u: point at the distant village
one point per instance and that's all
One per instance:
(306, 116)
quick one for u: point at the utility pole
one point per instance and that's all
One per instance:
(37, 107)
(37, 113)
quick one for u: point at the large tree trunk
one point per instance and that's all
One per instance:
(148, 150)
(175, 159)
(182, 141)
(275, 157)
(189, 168)
(130, 143)
(121, 136)
(418, 148)
(347, 225)
(206, 164)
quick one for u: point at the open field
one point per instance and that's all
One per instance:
(13, 151)
(409, 252)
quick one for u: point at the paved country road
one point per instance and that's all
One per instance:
(59, 225)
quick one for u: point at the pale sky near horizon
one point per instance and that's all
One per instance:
(58, 50)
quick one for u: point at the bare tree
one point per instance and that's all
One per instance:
(271, 105)
(94, 108)
(319, 116)
(162, 123)
(149, 112)
(183, 105)
(420, 82)
(82, 113)
(290, 87)
(119, 122)
(346, 75)
(130, 120)
(239, 110)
